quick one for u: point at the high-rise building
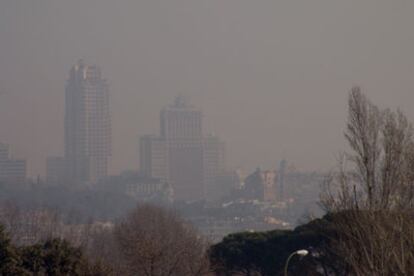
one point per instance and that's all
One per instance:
(181, 155)
(181, 128)
(213, 167)
(87, 125)
(12, 171)
(181, 122)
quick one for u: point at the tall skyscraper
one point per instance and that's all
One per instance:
(213, 166)
(87, 125)
(181, 128)
(181, 155)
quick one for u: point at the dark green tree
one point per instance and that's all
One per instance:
(265, 253)
(9, 257)
(60, 258)
(53, 257)
(32, 258)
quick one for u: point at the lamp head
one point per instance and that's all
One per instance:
(302, 252)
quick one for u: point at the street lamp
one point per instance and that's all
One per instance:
(301, 252)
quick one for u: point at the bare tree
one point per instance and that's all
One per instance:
(155, 241)
(375, 242)
(373, 199)
(363, 129)
(382, 154)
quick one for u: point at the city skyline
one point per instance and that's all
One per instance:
(191, 137)
(274, 72)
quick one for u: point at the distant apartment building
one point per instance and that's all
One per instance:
(55, 170)
(181, 156)
(87, 125)
(138, 187)
(12, 171)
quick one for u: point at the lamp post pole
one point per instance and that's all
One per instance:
(301, 252)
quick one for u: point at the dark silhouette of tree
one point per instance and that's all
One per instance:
(53, 257)
(265, 253)
(9, 258)
(32, 259)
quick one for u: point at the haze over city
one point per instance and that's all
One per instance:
(271, 77)
(206, 137)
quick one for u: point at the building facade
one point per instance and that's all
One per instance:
(138, 187)
(214, 167)
(87, 125)
(12, 171)
(181, 129)
(154, 157)
(4, 152)
(181, 156)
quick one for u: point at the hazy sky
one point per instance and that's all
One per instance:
(271, 76)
